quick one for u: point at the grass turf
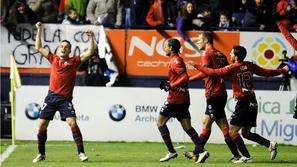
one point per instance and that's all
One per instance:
(139, 154)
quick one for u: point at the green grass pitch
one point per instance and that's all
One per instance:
(136, 154)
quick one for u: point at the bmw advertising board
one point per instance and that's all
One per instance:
(124, 114)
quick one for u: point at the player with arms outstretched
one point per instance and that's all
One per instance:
(59, 97)
(244, 117)
(292, 61)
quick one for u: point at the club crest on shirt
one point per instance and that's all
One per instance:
(176, 61)
(243, 67)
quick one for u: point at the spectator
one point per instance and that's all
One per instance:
(128, 18)
(45, 10)
(205, 19)
(72, 18)
(238, 10)
(107, 13)
(157, 15)
(139, 10)
(4, 10)
(62, 10)
(79, 6)
(256, 16)
(34, 5)
(286, 12)
(224, 24)
(94, 70)
(171, 11)
(19, 13)
(185, 19)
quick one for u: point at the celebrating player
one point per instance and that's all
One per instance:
(244, 117)
(215, 92)
(59, 97)
(291, 62)
(177, 104)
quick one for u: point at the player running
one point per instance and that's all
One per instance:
(177, 104)
(244, 117)
(59, 97)
(215, 92)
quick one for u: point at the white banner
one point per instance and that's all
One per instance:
(129, 114)
(22, 46)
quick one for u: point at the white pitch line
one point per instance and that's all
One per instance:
(6, 153)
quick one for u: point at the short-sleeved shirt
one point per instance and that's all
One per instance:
(241, 76)
(63, 74)
(214, 86)
(179, 93)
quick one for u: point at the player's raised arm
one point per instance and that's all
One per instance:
(38, 45)
(286, 33)
(90, 51)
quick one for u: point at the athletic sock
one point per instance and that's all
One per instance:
(258, 139)
(230, 142)
(41, 136)
(204, 136)
(240, 145)
(196, 140)
(78, 139)
(166, 138)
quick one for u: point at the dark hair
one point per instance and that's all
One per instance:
(240, 52)
(70, 10)
(225, 13)
(209, 36)
(20, 3)
(67, 42)
(174, 44)
(184, 13)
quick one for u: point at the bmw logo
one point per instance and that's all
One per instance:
(32, 111)
(117, 112)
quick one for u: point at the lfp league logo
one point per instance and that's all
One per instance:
(32, 111)
(117, 112)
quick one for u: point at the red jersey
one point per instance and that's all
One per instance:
(63, 74)
(178, 80)
(286, 33)
(241, 76)
(214, 86)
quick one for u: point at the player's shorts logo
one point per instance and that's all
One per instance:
(267, 51)
(32, 111)
(117, 112)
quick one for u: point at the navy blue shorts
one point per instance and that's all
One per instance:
(178, 111)
(245, 114)
(215, 107)
(53, 103)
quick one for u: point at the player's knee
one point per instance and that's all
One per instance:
(245, 134)
(72, 123)
(204, 122)
(232, 132)
(160, 123)
(187, 127)
(43, 125)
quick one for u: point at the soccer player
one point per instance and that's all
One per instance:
(177, 104)
(215, 92)
(59, 97)
(244, 117)
(291, 62)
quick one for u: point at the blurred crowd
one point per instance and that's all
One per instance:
(182, 15)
